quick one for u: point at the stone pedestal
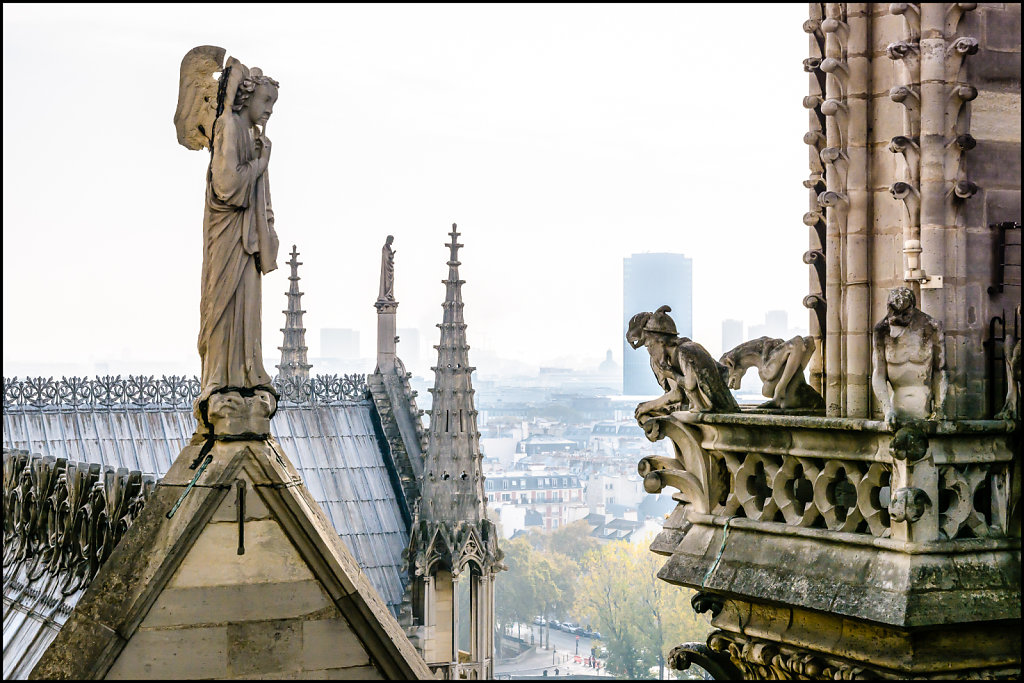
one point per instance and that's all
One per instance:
(235, 415)
(386, 332)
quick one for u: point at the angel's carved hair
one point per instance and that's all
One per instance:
(248, 86)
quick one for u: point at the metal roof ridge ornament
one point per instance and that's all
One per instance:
(177, 391)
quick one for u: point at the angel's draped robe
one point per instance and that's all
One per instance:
(239, 247)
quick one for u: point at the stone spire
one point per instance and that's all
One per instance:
(454, 480)
(293, 352)
(453, 553)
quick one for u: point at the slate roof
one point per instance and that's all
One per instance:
(335, 444)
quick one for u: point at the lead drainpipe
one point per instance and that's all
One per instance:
(834, 203)
(857, 295)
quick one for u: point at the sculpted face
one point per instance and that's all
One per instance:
(901, 306)
(635, 330)
(261, 104)
(736, 372)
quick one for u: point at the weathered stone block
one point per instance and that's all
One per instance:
(264, 647)
(994, 164)
(1002, 28)
(886, 168)
(241, 602)
(996, 116)
(885, 73)
(886, 28)
(992, 70)
(1001, 206)
(886, 118)
(330, 643)
(173, 653)
(356, 673)
(213, 561)
(254, 507)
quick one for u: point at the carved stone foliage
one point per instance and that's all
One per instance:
(173, 390)
(62, 519)
(759, 659)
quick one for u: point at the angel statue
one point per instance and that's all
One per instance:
(229, 116)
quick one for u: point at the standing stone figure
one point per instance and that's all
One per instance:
(910, 357)
(1012, 360)
(387, 271)
(239, 241)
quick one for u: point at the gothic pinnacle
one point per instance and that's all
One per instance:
(293, 349)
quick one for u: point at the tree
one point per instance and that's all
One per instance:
(640, 616)
(573, 540)
(516, 598)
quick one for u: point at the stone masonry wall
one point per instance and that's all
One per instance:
(259, 614)
(989, 164)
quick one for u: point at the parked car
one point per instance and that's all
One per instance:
(540, 621)
(587, 633)
(554, 624)
(570, 626)
(596, 635)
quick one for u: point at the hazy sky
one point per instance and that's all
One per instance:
(560, 139)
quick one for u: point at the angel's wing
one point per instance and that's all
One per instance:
(197, 96)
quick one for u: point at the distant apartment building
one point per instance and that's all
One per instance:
(650, 281)
(544, 444)
(610, 436)
(556, 497)
(776, 326)
(409, 346)
(339, 343)
(604, 490)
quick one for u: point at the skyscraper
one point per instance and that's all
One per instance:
(650, 281)
(732, 334)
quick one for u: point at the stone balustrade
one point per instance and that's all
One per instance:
(838, 477)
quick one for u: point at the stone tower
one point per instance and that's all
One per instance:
(453, 550)
(293, 354)
(878, 537)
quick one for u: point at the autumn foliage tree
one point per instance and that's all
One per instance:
(640, 617)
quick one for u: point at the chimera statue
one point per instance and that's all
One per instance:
(780, 365)
(909, 357)
(685, 370)
(229, 116)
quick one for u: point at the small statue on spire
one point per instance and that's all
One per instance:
(387, 271)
